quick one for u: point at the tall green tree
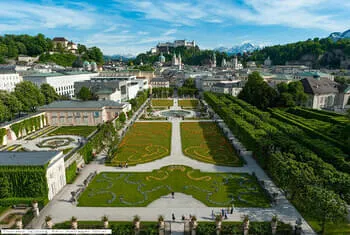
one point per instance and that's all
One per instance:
(4, 188)
(13, 105)
(85, 94)
(325, 206)
(29, 95)
(49, 93)
(257, 92)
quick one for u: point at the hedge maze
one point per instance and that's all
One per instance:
(144, 142)
(205, 142)
(140, 189)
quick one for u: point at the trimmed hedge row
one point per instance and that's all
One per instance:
(274, 136)
(5, 202)
(71, 172)
(2, 135)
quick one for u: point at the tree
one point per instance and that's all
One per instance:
(4, 112)
(29, 95)
(325, 206)
(11, 102)
(85, 94)
(122, 117)
(257, 92)
(49, 93)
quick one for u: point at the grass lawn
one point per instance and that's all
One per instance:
(139, 189)
(84, 131)
(144, 142)
(188, 103)
(205, 142)
(67, 150)
(331, 229)
(159, 102)
(3, 209)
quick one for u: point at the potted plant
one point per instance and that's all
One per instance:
(74, 222)
(161, 222)
(136, 222)
(105, 221)
(194, 222)
(19, 224)
(218, 220)
(246, 224)
(48, 222)
(274, 222)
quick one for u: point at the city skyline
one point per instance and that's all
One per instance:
(131, 27)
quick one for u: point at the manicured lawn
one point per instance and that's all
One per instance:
(67, 150)
(331, 229)
(159, 102)
(205, 142)
(84, 131)
(139, 189)
(144, 142)
(188, 103)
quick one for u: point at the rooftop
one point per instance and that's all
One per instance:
(321, 86)
(81, 104)
(26, 158)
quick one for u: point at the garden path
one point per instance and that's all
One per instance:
(181, 205)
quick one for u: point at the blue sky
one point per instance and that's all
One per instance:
(134, 26)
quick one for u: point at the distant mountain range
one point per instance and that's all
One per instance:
(338, 35)
(245, 47)
(117, 57)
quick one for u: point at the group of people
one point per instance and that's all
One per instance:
(224, 212)
(183, 217)
(122, 165)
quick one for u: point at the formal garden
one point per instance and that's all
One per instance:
(144, 142)
(140, 189)
(55, 142)
(189, 103)
(162, 102)
(312, 170)
(83, 131)
(205, 142)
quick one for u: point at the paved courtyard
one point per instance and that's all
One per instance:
(61, 209)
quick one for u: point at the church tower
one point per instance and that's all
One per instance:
(180, 61)
(214, 60)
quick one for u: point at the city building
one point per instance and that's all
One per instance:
(322, 93)
(313, 74)
(159, 82)
(115, 88)
(65, 44)
(228, 87)
(8, 80)
(165, 47)
(63, 82)
(83, 113)
(27, 59)
(53, 160)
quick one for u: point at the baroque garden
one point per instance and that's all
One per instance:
(210, 153)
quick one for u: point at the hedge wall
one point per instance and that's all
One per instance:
(27, 124)
(2, 134)
(5, 202)
(24, 182)
(71, 172)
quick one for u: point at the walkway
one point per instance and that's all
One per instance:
(181, 205)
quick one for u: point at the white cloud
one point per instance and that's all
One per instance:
(15, 14)
(170, 31)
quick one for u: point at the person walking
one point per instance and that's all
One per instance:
(173, 195)
(212, 214)
(173, 216)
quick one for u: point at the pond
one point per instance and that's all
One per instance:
(176, 113)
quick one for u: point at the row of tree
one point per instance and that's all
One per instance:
(258, 93)
(162, 92)
(287, 153)
(25, 98)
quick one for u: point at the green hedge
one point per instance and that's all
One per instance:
(102, 139)
(27, 125)
(2, 134)
(27, 201)
(71, 172)
(23, 182)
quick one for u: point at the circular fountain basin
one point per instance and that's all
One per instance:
(176, 113)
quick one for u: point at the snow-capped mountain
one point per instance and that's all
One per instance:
(125, 57)
(245, 47)
(338, 35)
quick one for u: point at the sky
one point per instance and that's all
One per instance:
(134, 26)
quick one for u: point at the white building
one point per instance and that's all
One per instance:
(55, 171)
(228, 87)
(160, 82)
(8, 81)
(63, 83)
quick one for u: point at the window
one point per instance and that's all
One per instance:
(96, 114)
